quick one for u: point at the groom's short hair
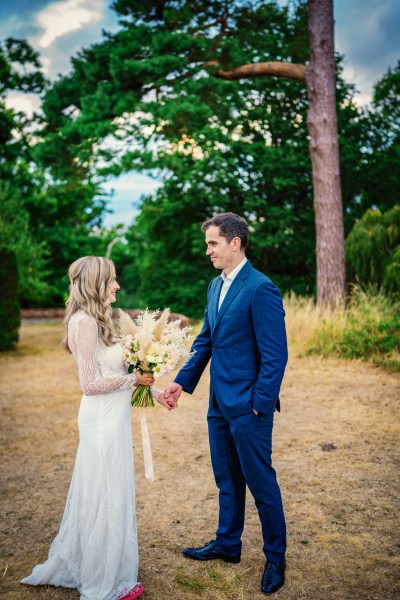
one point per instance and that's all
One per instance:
(230, 226)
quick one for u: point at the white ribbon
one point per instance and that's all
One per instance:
(148, 459)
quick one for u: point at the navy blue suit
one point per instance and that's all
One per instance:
(246, 342)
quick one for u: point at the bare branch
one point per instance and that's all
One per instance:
(277, 69)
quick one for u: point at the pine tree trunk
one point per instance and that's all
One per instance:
(322, 127)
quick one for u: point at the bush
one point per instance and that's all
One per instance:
(32, 256)
(369, 329)
(373, 250)
(391, 281)
(9, 304)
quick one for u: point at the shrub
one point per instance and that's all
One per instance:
(369, 329)
(373, 249)
(9, 304)
(391, 280)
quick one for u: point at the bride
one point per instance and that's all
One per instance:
(96, 548)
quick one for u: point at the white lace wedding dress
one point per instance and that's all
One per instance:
(96, 548)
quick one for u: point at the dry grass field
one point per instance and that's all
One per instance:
(336, 451)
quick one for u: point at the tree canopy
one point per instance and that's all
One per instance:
(148, 99)
(46, 220)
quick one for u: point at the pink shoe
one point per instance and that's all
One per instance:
(134, 593)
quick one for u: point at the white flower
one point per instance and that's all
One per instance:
(157, 343)
(159, 370)
(151, 359)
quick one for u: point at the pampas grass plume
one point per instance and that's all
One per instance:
(126, 324)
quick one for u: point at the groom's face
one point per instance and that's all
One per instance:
(221, 252)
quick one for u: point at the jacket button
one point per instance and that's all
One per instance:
(214, 347)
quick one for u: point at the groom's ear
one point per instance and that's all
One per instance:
(235, 243)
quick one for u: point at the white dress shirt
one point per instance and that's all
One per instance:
(228, 281)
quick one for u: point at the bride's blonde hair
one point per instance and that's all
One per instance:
(90, 277)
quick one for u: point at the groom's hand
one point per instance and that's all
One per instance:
(169, 403)
(172, 392)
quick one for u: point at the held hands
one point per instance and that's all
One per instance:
(173, 391)
(169, 403)
(169, 398)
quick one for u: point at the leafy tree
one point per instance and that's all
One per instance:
(19, 185)
(219, 144)
(9, 305)
(16, 234)
(176, 51)
(50, 210)
(373, 249)
(249, 146)
(19, 71)
(380, 173)
(66, 216)
(372, 246)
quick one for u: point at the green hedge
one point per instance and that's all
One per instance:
(9, 305)
(373, 250)
(369, 329)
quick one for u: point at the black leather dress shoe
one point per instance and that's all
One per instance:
(210, 552)
(273, 577)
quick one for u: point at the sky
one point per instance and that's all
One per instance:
(366, 32)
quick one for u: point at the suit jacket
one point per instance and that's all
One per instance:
(246, 342)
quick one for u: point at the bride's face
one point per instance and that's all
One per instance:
(112, 289)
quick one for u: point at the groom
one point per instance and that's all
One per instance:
(244, 336)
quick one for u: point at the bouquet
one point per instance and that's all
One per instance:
(154, 346)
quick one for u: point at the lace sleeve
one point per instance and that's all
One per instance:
(92, 382)
(155, 392)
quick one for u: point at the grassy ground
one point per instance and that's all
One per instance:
(336, 451)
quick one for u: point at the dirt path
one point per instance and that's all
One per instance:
(341, 505)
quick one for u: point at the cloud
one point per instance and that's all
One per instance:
(120, 217)
(57, 29)
(128, 190)
(63, 17)
(56, 58)
(18, 18)
(366, 32)
(26, 103)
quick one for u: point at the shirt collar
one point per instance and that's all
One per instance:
(235, 271)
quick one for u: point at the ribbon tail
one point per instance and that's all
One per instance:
(148, 459)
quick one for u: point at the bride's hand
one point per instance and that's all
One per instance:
(169, 403)
(145, 379)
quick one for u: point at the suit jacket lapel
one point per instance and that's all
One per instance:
(213, 304)
(235, 286)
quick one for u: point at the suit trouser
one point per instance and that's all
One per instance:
(241, 449)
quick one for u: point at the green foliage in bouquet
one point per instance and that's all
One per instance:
(9, 305)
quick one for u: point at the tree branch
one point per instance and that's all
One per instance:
(277, 69)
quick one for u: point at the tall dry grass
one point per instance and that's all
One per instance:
(368, 329)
